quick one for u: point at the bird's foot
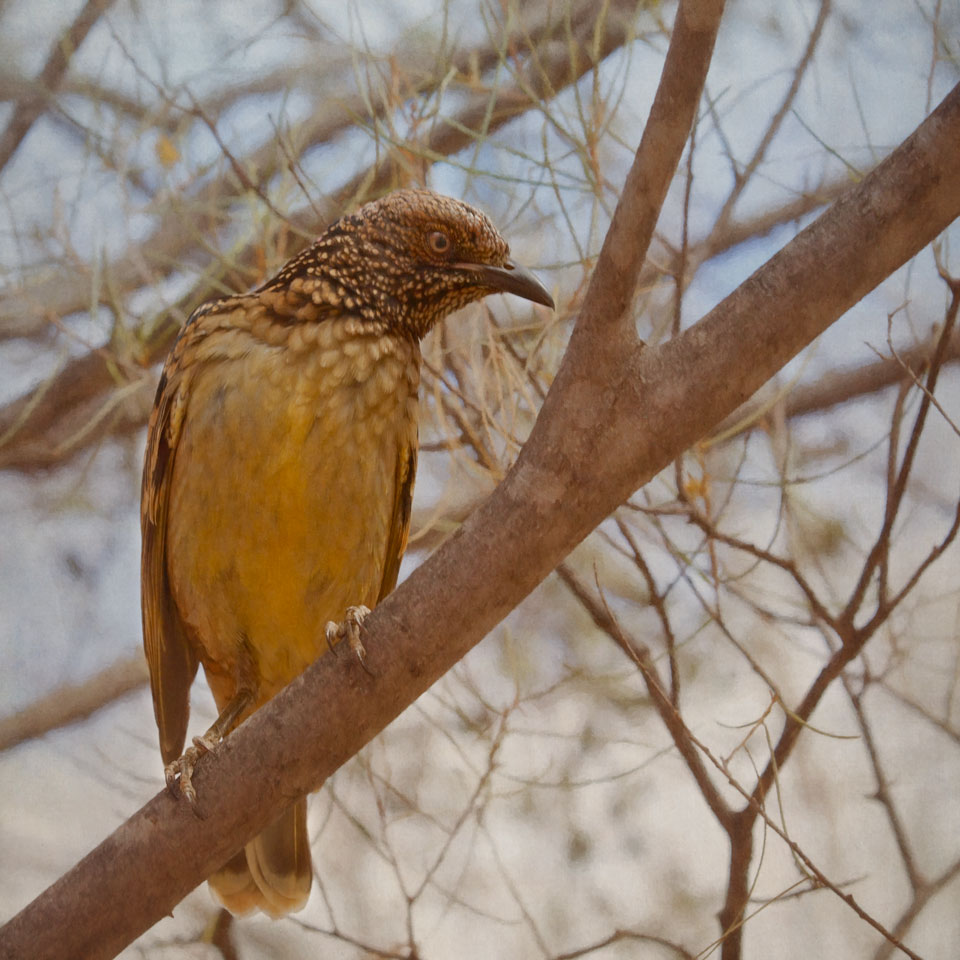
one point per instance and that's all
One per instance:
(349, 630)
(180, 771)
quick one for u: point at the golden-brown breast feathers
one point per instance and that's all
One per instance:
(311, 450)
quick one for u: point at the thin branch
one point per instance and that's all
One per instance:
(883, 795)
(743, 177)
(922, 897)
(838, 386)
(29, 109)
(756, 809)
(623, 936)
(896, 494)
(73, 702)
(640, 655)
(817, 607)
(659, 605)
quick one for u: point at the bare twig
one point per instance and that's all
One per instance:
(28, 109)
(744, 176)
(72, 703)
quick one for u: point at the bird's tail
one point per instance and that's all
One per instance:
(273, 872)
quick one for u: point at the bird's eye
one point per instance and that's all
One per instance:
(439, 241)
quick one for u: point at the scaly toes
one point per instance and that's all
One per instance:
(352, 623)
(349, 630)
(178, 774)
(180, 771)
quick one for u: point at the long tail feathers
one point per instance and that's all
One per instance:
(273, 872)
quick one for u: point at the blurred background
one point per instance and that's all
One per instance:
(532, 804)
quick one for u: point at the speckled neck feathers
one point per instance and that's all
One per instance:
(400, 262)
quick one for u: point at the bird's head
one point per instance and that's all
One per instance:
(413, 256)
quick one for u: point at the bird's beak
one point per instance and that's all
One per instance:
(511, 278)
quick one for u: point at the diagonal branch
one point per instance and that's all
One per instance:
(744, 176)
(840, 386)
(669, 714)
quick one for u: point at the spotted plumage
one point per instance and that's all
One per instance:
(279, 471)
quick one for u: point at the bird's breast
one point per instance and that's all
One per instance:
(284, 491)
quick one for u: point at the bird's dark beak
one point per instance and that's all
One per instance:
(511, 278)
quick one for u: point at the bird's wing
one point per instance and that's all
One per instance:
(400, 521)
(215, 331)
(170, 655)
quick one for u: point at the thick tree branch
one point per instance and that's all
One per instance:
(614, 417)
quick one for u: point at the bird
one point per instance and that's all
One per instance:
(278, 477)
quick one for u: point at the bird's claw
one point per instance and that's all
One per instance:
(179, 773)
(349, 630)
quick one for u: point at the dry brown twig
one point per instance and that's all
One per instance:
(50, 425)
(73, 702)
(29, 109)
